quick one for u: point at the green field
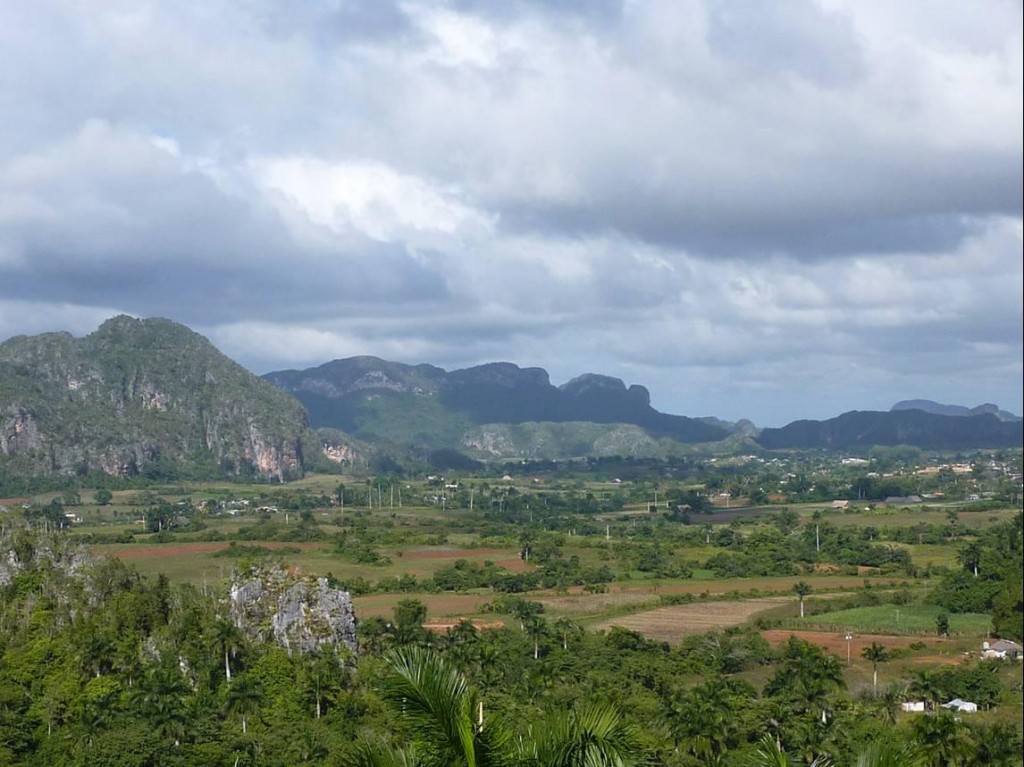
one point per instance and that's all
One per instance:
(893, 619)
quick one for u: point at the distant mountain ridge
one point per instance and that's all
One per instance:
(916, 427)
(930, 406)
(141, 396)
(369, 397)
(151, 397)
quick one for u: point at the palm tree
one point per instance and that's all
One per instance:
(771, 754)
(891, 754)
(941, 738)
(244, 698)
(890, 702)
(970, 557)
(228, 639)
(321, 677)
(524, 609)
(96, 650)
(802, 589)
(594, 736)
(876, 653)
(127, 662)
(536, 628)
(807, 675)
(707, 719)
(927, 685)
(308, 748)
(438, 704)
(159, 697)
(95, 712)
(998, 745)
(450, 730)
(567, 627)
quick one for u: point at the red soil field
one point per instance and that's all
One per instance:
(836, 643)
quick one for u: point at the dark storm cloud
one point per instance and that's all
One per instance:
(108, 213)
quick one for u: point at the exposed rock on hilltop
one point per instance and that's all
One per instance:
(300, 614)
(141, 396)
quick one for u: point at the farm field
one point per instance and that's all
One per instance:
(673, 623)
(931, 555)
(887, 516)
(900, 620)
(197, 561)
(835, 642)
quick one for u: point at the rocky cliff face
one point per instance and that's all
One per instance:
(21, 550)
(302, 615)
(141, 396)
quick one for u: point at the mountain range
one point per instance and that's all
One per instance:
(937, 408)
(152, 397)
(862, 429)
(497, 410)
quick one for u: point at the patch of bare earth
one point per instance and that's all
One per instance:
(836, 643)
(674, 623)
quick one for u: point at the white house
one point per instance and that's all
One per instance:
(1001, 648)
(964, 706)
(912, 705)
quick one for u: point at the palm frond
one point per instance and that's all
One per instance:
(589, 736)
(434, 699)
(889, 754)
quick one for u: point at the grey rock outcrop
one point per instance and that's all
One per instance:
(302, 615)
(21, 550)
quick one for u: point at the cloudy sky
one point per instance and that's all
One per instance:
(765, 210)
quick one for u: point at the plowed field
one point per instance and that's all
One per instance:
(672, 624)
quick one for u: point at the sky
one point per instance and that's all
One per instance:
(769, 211)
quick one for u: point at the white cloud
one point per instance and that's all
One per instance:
(371, 198)
(808, 203)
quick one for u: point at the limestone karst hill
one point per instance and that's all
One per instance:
(141, 397)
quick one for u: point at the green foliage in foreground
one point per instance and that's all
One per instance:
(101, 667)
